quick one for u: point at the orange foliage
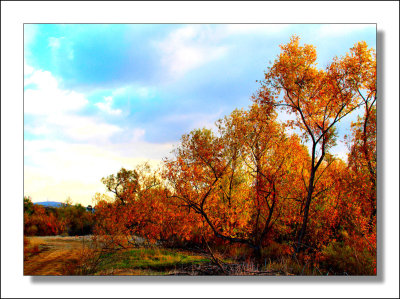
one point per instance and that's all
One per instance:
(253, 182)
(41, 223)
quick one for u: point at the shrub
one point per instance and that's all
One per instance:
(343, 259)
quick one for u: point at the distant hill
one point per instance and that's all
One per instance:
(54, 204)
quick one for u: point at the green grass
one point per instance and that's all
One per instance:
(154, 261)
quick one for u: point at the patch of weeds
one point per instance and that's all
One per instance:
(156, 261)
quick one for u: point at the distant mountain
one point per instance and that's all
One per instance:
(54, 204)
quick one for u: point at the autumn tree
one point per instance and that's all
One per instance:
(319, 99)
(194, 175)
(120, 217)
(361, 198)
(237, 181)
(361, 63)
(141, 207)
(123, 185)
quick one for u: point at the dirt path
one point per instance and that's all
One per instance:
(54, 255)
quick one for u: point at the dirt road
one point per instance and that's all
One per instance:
(52, 255)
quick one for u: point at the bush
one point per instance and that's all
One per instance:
(343, 259)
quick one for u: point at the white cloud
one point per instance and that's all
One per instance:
(38, 130)
(340, 29)
(27, 69)
(53, 108)
(192, 46)
(188, 48)
(106, 106)
(56, 169)
(78, 128)
(83, 128)
(43, 79)
(47, 98)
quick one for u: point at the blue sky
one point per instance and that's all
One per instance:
(101, 97)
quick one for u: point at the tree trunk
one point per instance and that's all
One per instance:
(257, 254)
(303, 229)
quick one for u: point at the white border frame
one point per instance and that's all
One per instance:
(14, 14)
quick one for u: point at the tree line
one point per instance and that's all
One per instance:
(72, 220)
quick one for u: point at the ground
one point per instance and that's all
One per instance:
(52, 255)
(57, 255)
(63, 256)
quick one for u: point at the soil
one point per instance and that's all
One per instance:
(54, 255)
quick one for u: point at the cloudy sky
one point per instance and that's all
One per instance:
(101, 97)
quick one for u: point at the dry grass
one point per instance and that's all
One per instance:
(31, 247)
(141, 261)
